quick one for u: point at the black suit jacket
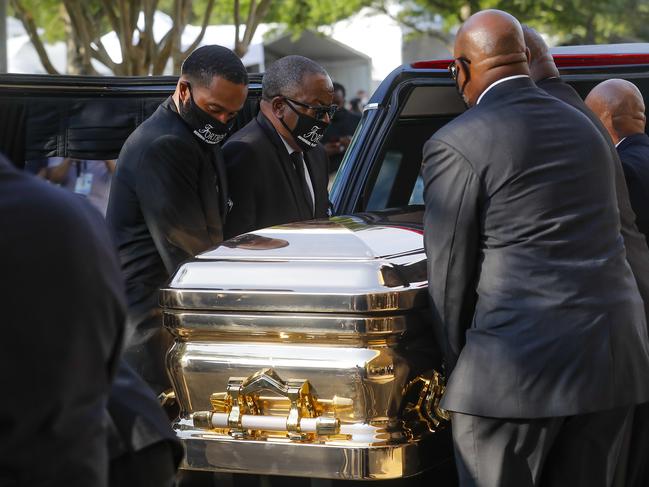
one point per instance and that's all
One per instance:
(634, 153)
(137, 423)
(63, 316)
(527, 269)
(637, 253)
(167, 203)
(264, 186)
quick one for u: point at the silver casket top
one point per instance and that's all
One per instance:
(341, 265)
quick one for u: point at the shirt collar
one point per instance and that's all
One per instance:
(502, 80)
(289, 149)
(620, 141)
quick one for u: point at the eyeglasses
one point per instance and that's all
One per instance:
(452, 68)
(319, 110)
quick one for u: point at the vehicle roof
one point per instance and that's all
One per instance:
(575, 56)
(628, 48)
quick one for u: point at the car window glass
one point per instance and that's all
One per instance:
(417, 195)
(379, 197)
(395, 180)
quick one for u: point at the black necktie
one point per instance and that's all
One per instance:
(298, 163)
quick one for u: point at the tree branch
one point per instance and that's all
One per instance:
(148, 39)
(164, 52)
(237, 23)
(81, 23)
(101, 55)
(256, 14)
(107, 6)
(30, 26)
(126, 37)
(206, 21)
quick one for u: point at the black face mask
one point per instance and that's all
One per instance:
(206, 128)
(308, 130)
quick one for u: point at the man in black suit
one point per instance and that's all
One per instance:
(545, 74)
(169, 195)
(144, 450)
(545, 362)
(63, 320)
(619, 105)
(277, 169)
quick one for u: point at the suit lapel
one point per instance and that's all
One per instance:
(287, 167)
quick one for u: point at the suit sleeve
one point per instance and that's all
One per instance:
(167, 189)
(240, 162)
(451, 239)
(637, 196)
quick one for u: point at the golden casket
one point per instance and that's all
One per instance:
(306, 350)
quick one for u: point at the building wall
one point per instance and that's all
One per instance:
(426, 47)
(353, 75)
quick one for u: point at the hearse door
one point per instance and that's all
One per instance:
(381, 169)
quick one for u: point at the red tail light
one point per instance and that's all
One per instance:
(562, 61)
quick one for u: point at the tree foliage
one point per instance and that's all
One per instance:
(82, 23)
(572, 21)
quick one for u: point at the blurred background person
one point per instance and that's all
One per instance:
(339, 133)
(355, 106)
(621, 111)
(88, 178)
(619, 105)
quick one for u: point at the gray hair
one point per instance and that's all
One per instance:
(285, 76)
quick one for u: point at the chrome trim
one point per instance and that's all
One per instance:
(330, 459)
(278, 301)
(283, 327)
(371, 106)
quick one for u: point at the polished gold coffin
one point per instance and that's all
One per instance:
(306, 350)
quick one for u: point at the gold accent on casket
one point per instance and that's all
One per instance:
(306, 417)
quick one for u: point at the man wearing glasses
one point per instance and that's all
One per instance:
(276, 166)
(545, 345)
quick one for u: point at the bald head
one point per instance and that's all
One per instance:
(541, 61)
(619, 105)
(493, 46)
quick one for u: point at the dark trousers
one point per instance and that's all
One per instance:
(637, 468)
(572, 451)
(153, 466)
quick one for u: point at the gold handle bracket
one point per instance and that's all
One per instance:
(422, 397)
(243, 403)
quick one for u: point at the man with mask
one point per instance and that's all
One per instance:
(277, 169)
(545, 363)
(169, 196)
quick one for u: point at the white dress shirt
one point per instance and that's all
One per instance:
(307, 176)
(498, 82)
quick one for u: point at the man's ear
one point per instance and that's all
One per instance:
(528, 55)
(183, 91)
(278, 106)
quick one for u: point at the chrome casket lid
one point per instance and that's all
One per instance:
(344, 264)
